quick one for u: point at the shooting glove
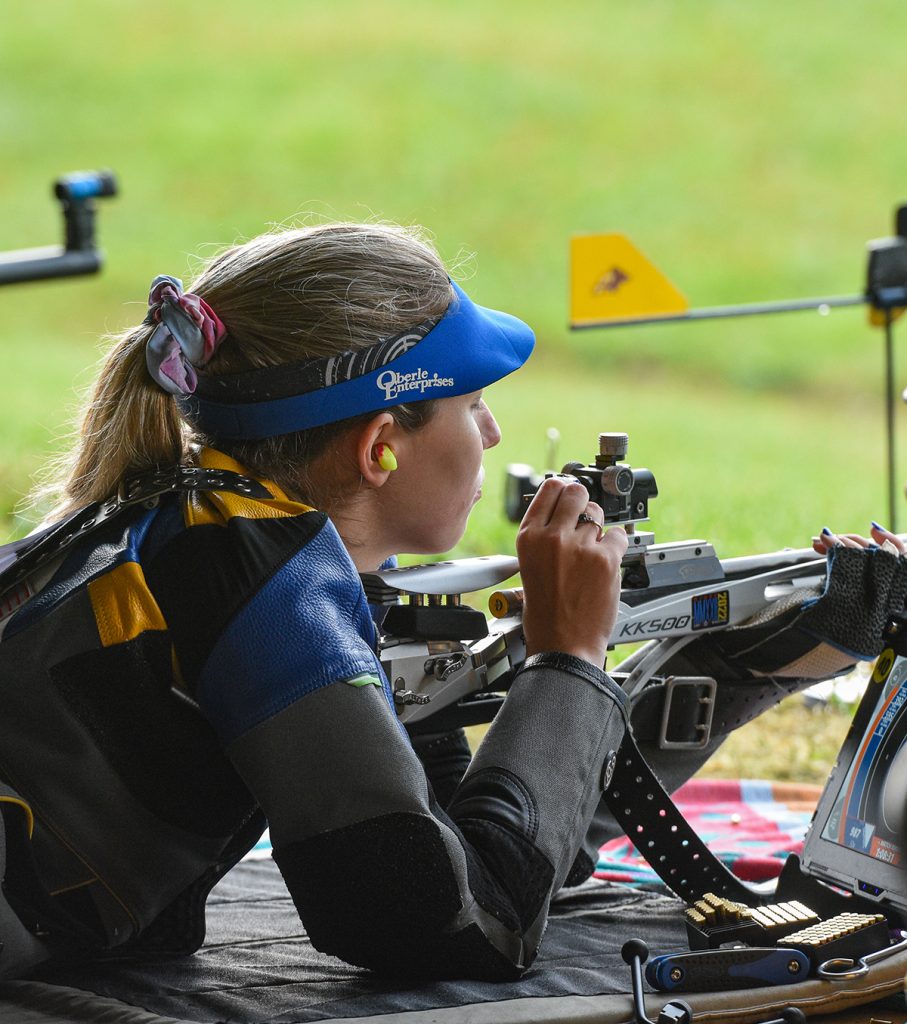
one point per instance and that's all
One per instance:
(815, 635)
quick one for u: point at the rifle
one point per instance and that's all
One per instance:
(465, 677)
(449, 667)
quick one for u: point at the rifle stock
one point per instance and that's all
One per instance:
(672, 592)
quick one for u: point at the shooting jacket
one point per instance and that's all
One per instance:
(191, 669)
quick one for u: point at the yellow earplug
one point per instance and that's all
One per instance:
(386, 458)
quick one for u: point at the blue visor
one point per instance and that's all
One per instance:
(469, 348)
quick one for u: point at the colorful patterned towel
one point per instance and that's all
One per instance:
(751, 825)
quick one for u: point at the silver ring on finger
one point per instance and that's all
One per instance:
(584, 517)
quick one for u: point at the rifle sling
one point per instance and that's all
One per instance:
(641, 805)
(140, 489)
(658, 830)
(735, 702)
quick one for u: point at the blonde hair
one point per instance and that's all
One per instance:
(284, 296)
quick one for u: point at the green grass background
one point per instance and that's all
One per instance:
(750, 149)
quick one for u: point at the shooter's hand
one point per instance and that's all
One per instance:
(570, 570)
(879, 535)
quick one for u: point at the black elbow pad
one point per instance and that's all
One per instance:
(383, 894)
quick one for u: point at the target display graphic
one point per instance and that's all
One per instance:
(858, 839)
(869, 815)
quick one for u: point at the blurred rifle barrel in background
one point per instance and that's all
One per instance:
(78, 254)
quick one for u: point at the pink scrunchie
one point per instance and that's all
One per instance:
(187, 335)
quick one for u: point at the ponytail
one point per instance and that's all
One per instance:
(128, 424)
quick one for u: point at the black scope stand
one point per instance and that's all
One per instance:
(886, 293)
(78, 254)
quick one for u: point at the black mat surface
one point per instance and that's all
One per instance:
(258, 967)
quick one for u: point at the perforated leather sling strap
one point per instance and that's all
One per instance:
(662, 835)
(23, 557)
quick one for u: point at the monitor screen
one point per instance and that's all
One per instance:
(857, 838)
(867, 814)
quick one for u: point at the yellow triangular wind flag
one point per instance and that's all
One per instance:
(610, 279)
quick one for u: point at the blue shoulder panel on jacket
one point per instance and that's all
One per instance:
(307, 627)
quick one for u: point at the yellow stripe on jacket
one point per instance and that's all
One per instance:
(219, 507)
(123, 605)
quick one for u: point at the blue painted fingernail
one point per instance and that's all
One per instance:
(826, 531)
(878, 527)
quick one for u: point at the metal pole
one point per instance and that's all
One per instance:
(889, 418)
(722, 312)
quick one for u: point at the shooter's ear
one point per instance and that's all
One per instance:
(375, 447)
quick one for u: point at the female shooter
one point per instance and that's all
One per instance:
(194, 669)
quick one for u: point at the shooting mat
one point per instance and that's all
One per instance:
(258, 967)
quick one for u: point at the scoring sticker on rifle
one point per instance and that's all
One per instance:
(711, 609)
